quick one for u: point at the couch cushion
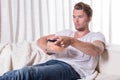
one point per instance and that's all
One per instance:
(17, 55)
(109, 61)
(5, 58)
(107, 77)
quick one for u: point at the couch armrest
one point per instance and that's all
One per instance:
(109, 61)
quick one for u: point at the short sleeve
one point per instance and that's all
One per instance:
(98, 36)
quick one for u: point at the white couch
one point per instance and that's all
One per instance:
(109, 64)
(17, 55)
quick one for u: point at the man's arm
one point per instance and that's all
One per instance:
(42, 41)
(93, 49)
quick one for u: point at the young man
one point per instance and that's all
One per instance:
(78, 60)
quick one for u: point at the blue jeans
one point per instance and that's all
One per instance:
(51, 70)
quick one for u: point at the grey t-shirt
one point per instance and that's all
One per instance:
(83, 64)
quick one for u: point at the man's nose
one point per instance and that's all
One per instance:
(76, 20)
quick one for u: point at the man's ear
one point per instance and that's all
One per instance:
(90, 18)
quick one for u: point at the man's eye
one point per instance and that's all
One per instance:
(80, 16)
(73, 16)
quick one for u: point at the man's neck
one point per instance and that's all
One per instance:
(79, 34)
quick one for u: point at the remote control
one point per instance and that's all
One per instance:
(52, 40)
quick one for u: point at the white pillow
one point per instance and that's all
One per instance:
(5, 58)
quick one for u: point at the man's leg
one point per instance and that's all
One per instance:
(51, 70)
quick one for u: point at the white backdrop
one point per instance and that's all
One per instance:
(30, 19)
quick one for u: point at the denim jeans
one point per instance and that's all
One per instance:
(50, 70)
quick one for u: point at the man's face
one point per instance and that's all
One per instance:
(81, 20)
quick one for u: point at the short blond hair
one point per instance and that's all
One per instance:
(85, 7)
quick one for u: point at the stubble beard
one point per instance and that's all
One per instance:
(80, 29)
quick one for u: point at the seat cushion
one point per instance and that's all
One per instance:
(107, 77)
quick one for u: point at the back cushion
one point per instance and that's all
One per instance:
(110, 60)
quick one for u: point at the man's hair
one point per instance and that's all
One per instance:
(85, 7)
